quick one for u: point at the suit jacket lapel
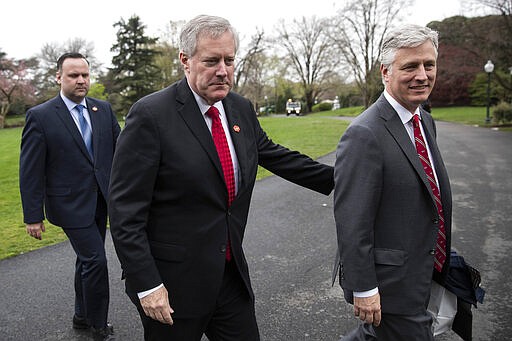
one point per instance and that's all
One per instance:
(397, 130)
(63, 113)
(237, 132)
(189, 111)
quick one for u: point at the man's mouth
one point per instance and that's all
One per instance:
(420, 87)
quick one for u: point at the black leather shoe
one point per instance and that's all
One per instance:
(104, 334)
(80, 322)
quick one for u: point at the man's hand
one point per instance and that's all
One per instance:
(368, 309)
(156, 305)
(36, 230)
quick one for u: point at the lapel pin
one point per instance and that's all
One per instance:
(94, 109)
(236, 128)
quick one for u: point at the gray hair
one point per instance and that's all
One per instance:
(405, 36)
(204, 26)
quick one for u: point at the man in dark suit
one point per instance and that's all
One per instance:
(178, 210)
(388, 211)
(67, 148)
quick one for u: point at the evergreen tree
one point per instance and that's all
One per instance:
(134, 73)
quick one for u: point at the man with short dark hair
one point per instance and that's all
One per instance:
(67, 148)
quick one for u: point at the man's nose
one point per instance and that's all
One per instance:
(222, 68)
(421, 73)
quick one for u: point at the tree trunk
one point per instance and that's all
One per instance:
(4, 109)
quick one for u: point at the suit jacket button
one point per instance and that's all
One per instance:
(432, 252)
(435, 221)
(223, 248)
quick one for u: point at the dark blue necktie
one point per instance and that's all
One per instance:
(85, 130)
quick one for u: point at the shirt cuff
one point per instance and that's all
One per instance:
(147, 292)
(368, 293)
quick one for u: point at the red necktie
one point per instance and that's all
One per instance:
(427, 166)
(221, 143)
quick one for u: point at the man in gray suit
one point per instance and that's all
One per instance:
(392, 200)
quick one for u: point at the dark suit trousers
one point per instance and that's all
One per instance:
(395, 328)
(91, 273)
(234, 318)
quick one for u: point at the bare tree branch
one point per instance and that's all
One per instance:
(309, 49)
(358, 31)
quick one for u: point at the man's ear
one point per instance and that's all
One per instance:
(57, 78)
(184, 60)
(384, 71)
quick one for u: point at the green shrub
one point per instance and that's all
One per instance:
(502, 113)
(323, 106)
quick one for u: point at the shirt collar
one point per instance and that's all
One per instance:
(70, 104)
(404, 114)
(203, 105)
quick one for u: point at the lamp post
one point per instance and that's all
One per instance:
(266, 104)
(489, 68)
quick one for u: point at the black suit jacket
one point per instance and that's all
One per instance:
(57, 170)
(168, 201)
(385, 212)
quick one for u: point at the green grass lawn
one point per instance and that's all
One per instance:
(464, 115)
(313, 135)
(351, 112)
(14, 239)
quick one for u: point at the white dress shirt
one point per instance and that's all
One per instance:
(74, 112)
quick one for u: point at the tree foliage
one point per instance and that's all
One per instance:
(15, 85)
(97, 90)
(478, 89)
(254, 70)
(167, 57)
(50, 52)
(134, 73)
(465, 45)
(307, 59)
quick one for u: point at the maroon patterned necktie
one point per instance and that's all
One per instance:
(440, 254)
(221, 143)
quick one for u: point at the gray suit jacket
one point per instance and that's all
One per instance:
(386, 216)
